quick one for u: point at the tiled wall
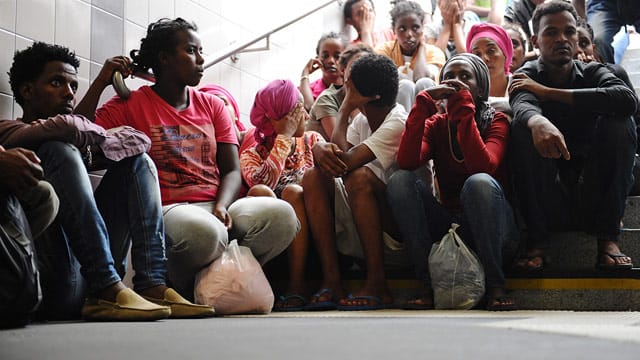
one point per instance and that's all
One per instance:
(98, 29)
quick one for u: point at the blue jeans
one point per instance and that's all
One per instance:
(486, 221)
(585, 193)
(606, 17)
(126, 208)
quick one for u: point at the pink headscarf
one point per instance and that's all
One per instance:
(272, 102)
(495, 33)
(214, 89)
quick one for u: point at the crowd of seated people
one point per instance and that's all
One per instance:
(524, 117)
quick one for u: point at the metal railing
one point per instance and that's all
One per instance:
(232, 51)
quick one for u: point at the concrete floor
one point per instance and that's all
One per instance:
(388, 334)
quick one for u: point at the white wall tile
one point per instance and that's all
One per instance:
(22, 42)
(7, 44)
(161, 9)
(133, 33)
(6, 107)
(107, 35)
(35, 19)
(115, 7)
(137, 11)
(84, 73)
(73, 26)
(8, 15)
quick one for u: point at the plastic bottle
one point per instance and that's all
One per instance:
(405, 71)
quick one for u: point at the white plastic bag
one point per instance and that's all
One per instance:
(234, 283)
(457, 276)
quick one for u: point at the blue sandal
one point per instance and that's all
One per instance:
(330, 304)
(375, 303)
(284, 299)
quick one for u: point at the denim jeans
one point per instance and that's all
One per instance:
(126, 207)
(586, 193)
(486, 221)
(606, 17)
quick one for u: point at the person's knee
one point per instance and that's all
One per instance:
(401, 182)
(359, 181)
(292, 194)
(196, 241)
(619, 132)
(424, 83)
(260, 190)
(481, 187)
(60, 151)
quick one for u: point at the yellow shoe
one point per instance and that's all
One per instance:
(181, 307)
(128, 306)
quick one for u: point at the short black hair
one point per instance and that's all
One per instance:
(161, 37)
(328, 36)
(375, 74)
(518, 29)
(29, 63)
(582, 23)
(552, 7)
(405, 8)
(347, 11)
(351, 51)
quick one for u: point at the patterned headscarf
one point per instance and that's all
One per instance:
(484, 111)
(219, 90)
(496, 33)
(272, 102)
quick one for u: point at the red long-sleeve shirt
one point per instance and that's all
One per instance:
(427, 136)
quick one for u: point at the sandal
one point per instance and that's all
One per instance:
(524, 262)
(615, 266)
(316, 305)
(284, 300)
(501, 303)
(418, 303)
(423, 301)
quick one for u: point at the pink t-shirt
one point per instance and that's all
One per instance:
(183, 143)
(317, 87)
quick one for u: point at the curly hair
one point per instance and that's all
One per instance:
(351, 51)
(374, 74)
(329, 36)
(29, 63)
(404, 8)
(552, 7)
(347, 9)
(160, 38)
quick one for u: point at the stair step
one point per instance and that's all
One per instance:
(587, 294)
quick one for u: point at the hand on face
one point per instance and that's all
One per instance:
(290, 124)
(312, 65)
(353, 99)
(446, 89)
(21, 169)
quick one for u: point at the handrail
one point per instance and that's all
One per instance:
(124, 92)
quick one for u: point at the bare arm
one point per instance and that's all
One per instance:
(580, 8)
(230, 180)
(89, 103)
(305, 84)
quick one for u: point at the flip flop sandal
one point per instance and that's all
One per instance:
(284, 299)
(377, 303)
(496, 304)
(614, 266)
(524, 258)
(322, 305)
